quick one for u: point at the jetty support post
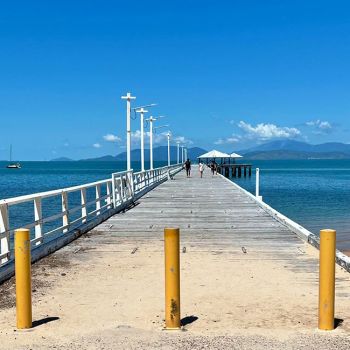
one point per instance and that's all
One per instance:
(23, 279)
(172, 278)
(327, 280)
(234, 171)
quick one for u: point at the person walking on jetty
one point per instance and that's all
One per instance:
(214, 168)
(201, 168)
(188, 167)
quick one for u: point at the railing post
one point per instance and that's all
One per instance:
(132, 183)
(38, 218)
(4, 228)
(83, 205)
(122, 188)
(113, 191)
(98, 200)
(65, 216)
(327, 280)
(257, 184)
(108, 192)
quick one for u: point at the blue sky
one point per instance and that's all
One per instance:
(227, 74)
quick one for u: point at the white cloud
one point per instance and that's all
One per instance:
(96, 145)
(228, 140)
(112, 138)
(268, 131)
(66, 144)
(183, 139)
(158, 137)
(320, 126)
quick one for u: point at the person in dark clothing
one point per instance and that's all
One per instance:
(212, 167)
(188, 167)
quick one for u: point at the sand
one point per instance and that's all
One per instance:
(96, 294)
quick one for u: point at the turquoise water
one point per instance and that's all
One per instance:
(314, 193)
(45, 176)
(36, 177)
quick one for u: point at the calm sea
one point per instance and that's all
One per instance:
(36, 177)
(314, 193)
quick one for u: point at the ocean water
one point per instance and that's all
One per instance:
(314, 193)
(36, 177)
(45, 176)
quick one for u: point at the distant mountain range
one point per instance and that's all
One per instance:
(62, 159)
(282, 149)
(289, 149)
(159, 154)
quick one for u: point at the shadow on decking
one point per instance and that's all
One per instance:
(44, 320)
(188, 320)
(338, 322)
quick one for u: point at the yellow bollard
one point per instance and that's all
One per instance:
(327, 280)
(172, 278)
(23, 279)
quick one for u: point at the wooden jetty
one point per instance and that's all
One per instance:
(247, 278)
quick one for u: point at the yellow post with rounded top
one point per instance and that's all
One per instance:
(23, 279)
(327, 280)
(172, 278)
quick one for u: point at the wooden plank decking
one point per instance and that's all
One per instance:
(114, 275)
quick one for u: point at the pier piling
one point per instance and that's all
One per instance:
(172, 278)
(23, 279)
(327, 280)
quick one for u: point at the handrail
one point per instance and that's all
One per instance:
(120, 190)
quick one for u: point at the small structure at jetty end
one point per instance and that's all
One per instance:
(227, 165)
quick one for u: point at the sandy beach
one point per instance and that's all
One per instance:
(228, 299)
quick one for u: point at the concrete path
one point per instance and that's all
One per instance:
(247, 281)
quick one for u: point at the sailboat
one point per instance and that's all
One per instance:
(13, 165)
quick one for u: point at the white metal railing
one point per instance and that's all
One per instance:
(123, 188)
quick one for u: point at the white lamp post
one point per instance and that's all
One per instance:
(178, 152)
(151, 120)
(168, 148)
(128, 98)
(142, 111)
(182, 153)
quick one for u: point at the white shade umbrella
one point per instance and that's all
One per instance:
(235, 155)
(214, 154)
